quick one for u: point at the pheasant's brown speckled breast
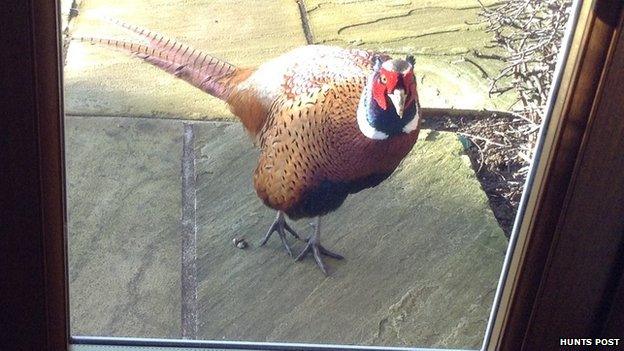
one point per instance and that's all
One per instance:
(314, 155)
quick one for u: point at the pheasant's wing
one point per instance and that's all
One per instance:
(331, 66)
(290, 82)
(203, 71)
(308, 68)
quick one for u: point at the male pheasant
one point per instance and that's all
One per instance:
(329, 121)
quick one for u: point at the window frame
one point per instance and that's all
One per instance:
(544, 212)
(551, 251)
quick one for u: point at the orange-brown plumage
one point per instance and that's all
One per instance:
(306, 144)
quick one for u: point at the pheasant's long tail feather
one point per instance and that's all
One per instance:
(156, 40)
(205, 72)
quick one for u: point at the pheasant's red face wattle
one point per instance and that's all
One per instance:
(388, 81)
(410, 88)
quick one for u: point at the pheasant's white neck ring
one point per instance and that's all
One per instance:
(414, 123)
(365, 127)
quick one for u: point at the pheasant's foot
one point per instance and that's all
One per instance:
(281, 227)
(318, 250)
(314, 245)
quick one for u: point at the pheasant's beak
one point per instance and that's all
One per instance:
(398, 100)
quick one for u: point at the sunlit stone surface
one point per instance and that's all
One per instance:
(423, 250)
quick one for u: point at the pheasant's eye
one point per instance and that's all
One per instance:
(383, 79)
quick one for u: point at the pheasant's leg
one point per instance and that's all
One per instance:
(314, 245)
(281, 227)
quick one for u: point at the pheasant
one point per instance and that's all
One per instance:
(329, 121)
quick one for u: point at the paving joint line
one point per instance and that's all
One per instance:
(153, 118)
(305, 22)
(188, 232)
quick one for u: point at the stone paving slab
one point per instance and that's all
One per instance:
(423, 250)
(423, 254)
(385, 22)
(440, 33)
(101, 81)
(123, 196)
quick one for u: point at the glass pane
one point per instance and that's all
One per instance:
(426, 114)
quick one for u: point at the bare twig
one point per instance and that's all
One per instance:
(531, 32)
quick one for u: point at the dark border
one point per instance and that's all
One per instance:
(34, 304)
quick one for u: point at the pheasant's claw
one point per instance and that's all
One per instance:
(317, 250)
(292, 231)
(281, 227)
(283, 238)
(326, 252)
(273, 228)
